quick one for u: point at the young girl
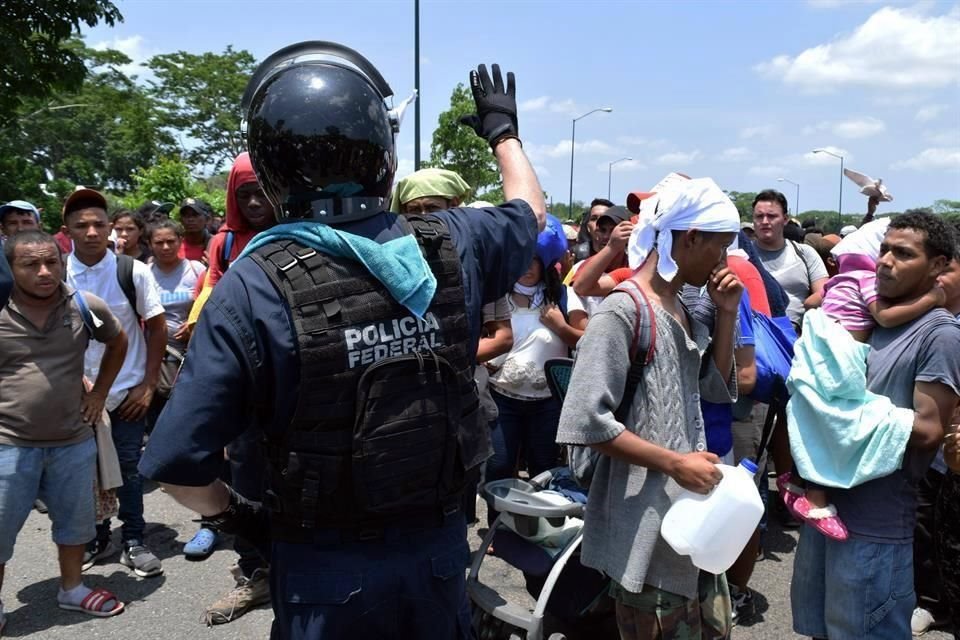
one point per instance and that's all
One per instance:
(528, 415)
(131, 233)
(850, 299)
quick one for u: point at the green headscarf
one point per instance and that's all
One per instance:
(429, 182)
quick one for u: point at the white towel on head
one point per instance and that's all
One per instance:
(865, 241)
(693, 204)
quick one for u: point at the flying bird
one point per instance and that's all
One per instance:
(868, 186)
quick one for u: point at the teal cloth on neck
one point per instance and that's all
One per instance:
(398, 264)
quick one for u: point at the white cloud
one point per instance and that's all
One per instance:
(534, 104)
(893, 49)
(944, 138)
(132, 47)
(735, 154)
(833, 4)
(823, 159)
(766, 170)
(930, 112)
(934, 158)
(850, 128)
(678, 159)
(620, 167)
(565, 106)
(759, 131)
(561, 149)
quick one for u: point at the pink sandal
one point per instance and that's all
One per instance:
(790, 493)
(823, 519)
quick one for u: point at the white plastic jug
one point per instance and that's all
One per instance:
(713, 529)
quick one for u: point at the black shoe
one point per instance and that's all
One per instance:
(744, 609)
(97, 549)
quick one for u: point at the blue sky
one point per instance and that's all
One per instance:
(739, 91)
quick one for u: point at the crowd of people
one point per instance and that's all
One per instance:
(144, 344)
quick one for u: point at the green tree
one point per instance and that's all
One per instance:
(199, 95)
(458, 148)
(34, 62)
(96, 136)
(950, 208)
(743, 201)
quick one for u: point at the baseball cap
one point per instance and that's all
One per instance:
(83, 197)
(618, 214)
(155, 206)
(747, 225)
(19, 205)
(847, 230)
(570, 232)
(200, 206)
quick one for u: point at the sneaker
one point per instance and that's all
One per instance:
(201, 544)
(40, 506)
(136, 556)
(97, 549)
(921, 621)
(742, 603)
(248, 593)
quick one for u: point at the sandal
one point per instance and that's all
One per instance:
(823, 519)
(94, 604)
(790, 493)
(201, 545)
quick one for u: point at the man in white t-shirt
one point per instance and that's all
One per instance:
(796, 266)
(92, 267)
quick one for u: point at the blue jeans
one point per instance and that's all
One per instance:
(527, 428)
(60, 476)
(852, 590)
(409, 585)
(128, 440)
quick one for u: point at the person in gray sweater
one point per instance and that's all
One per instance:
(659, 449)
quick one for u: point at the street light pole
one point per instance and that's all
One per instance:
(840, 205)
(416, 84)
(573, 147)
(610, 173)
(796, 204)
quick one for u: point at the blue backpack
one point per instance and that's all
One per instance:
(774, 339)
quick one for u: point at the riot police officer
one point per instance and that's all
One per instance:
(350, 333)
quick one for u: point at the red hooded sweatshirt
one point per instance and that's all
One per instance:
(240, 174)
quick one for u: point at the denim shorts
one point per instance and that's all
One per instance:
(852, 590)
(60, 476)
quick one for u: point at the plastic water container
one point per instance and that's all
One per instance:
(713, 529)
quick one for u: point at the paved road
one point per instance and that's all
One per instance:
(170, 607)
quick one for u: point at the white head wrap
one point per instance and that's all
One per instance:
(692, 204)
(865, 241)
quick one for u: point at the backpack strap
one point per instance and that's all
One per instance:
(125, 279)
(85, 314)
(644, 342)
(227, 250)
(803, 258)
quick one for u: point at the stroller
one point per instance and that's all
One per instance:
(539, 531)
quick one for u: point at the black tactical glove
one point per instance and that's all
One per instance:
(243, 518)
(496, 116)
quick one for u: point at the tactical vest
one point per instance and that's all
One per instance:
(387, 420)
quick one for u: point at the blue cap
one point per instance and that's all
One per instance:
(552, 242)
(749, 465)
(19, 205)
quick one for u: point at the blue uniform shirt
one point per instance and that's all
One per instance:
(6, 279)
(242, 362)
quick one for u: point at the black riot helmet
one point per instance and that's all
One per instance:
(319, 133)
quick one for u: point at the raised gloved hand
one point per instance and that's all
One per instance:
(496, 116)
(243, 518)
